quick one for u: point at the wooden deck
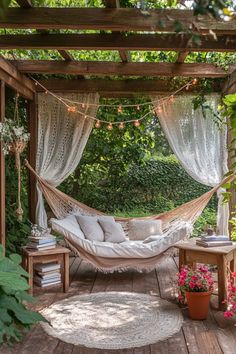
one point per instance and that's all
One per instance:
(215, 335)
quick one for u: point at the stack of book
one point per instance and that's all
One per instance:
(47, 274)
(214, 241)
(41, 243)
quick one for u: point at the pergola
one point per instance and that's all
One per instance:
(114, 29)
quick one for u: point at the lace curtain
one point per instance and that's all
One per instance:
(62, 137)
(198, 143)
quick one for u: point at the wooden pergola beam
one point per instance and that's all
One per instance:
(115, 88)
(16, 80)
(2, 171)
(182, 56)
(122, 19)
(124, 54)
(25, 4)
(152, 42)
(230, 84)
(126, 69)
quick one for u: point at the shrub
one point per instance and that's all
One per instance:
(14, 316)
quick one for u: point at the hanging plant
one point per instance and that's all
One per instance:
(14, 138)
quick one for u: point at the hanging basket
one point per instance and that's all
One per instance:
(17, 146)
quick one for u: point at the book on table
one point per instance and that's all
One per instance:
(45, 242)
(212, 243)
(41, 240)
(47, 267)
(47, 274)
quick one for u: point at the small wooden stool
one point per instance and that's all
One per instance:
(58, 254)
(223, 257)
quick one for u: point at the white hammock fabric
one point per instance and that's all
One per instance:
(62, 137)
(198, 143)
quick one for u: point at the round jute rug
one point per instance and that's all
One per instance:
(112, 320)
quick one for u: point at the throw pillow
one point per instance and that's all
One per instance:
(141, 229)
(90, 227)
(113, 231)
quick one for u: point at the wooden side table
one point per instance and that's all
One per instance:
(58, 254)
(223, 257)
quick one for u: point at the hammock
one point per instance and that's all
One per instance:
(177, 224)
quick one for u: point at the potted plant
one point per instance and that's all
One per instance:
(195, 286)
(231, 295)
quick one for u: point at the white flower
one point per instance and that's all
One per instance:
(18, 131)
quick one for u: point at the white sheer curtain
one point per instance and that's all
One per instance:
(197, 142)
(62, 137)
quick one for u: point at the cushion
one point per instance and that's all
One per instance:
(70, 223)
(90, 227)
(113, 231)
(153, 238)
(141, 229)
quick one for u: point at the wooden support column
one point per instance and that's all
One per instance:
(2, 171)
(230, 88)
(33, 130)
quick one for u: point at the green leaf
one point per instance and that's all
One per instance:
(13, 281)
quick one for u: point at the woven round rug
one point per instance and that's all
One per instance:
(112, 320)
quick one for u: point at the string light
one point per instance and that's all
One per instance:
(98, 124)
(136, 123)
(119, 109)
(159, 109)
(171, 99)
(187, 87)
(71, 109)
(158, 104)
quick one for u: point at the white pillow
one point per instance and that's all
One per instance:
(90, 227)
(153, 238)
(113, 231)
(141, 229)
(68, 223)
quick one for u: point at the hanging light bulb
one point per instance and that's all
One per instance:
(110, 126)
(119, 109)
(71, 109)
(46, 92)
(194, 82)
(83, 105)
(121, 125)
(98, 124)
(138, 108)
(159, 109)
(136, 123)
(187, 87)
(36, 84)
(85, 116)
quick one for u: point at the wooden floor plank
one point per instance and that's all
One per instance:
(63, 348)
(213, 336)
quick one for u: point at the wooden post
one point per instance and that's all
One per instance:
(33, 130)
(230, 88)
(2, 170)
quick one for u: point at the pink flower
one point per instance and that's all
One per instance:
(191, 285)
(228, 314)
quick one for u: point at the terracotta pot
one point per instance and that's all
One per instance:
(198, 304)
